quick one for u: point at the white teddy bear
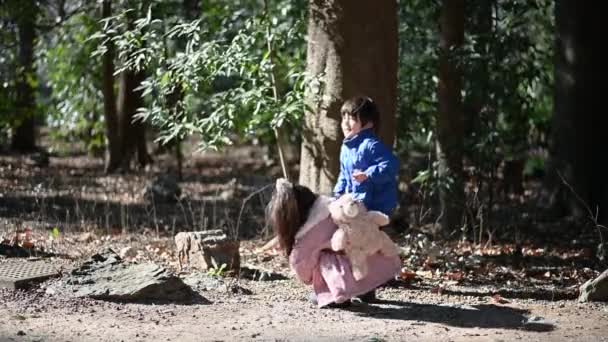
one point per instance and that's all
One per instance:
(359, 234)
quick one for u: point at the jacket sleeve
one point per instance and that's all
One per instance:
(340, 186)
(384, 165)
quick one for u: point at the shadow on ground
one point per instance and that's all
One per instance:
(464, 316)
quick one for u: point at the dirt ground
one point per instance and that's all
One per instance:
(449, 291)
(278, 311)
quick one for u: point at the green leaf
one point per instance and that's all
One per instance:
(55, 233)
(422, 177)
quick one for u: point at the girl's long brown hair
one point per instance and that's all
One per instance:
(288, 210)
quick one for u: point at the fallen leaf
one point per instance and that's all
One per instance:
(437, 290)
(407, 275)
(27, 244)
(457, 276)
(425, 274)
(498, 299)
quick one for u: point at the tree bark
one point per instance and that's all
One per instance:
(24, 137)
(132, 134)
(578, 126)
(450, 115)
(109, 100)
(357, 53)
(126, 138)
(481, 27)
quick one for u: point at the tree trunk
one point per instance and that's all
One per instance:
(450, 114)
(109, 101)
(132, 134)
(577, 145)
(129, 136)
(481, 28)
(357, 52)
(24, 137)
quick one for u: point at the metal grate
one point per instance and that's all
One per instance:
(20, 274)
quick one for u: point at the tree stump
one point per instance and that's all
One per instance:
(207, 249)
(595, 289)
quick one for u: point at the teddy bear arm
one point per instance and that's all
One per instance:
(378, 218)
(338, 240)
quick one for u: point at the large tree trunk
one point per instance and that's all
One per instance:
(24, 137)
(109, 101)
(357, 52)
(579, 127)
(450, 114)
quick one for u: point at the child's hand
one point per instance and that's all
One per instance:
(359, 176)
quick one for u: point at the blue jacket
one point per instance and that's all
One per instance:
(367, 153)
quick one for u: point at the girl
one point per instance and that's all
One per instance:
(301, 220)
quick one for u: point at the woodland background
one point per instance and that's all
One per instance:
(489, 105)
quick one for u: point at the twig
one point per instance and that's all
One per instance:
(238, 221)
(592, 217)
(275, 93)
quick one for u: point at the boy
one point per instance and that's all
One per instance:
(368, 169)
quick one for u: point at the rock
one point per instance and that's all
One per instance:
(595, 289)
(252, 273)
(164, 189)
(203, 282)
(536, 323)
(105, 276)
(40, 159)
(207, 249)
(127, 252)
(235, 288)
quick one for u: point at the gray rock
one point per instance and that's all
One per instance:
(595, 289)
(164, 189)
(203, 282)
(105, 276)
(536, 323)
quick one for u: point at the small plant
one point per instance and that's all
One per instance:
(217, 271)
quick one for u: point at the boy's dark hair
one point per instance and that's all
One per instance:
(363, 108)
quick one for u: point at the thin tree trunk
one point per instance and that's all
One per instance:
(132, 134)
(357, 53)
(109, 101)
(24, 137)
(450, 114)
(481, 28)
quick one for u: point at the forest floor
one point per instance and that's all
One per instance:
(522, 286)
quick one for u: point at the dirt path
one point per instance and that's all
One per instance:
(276, 311)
